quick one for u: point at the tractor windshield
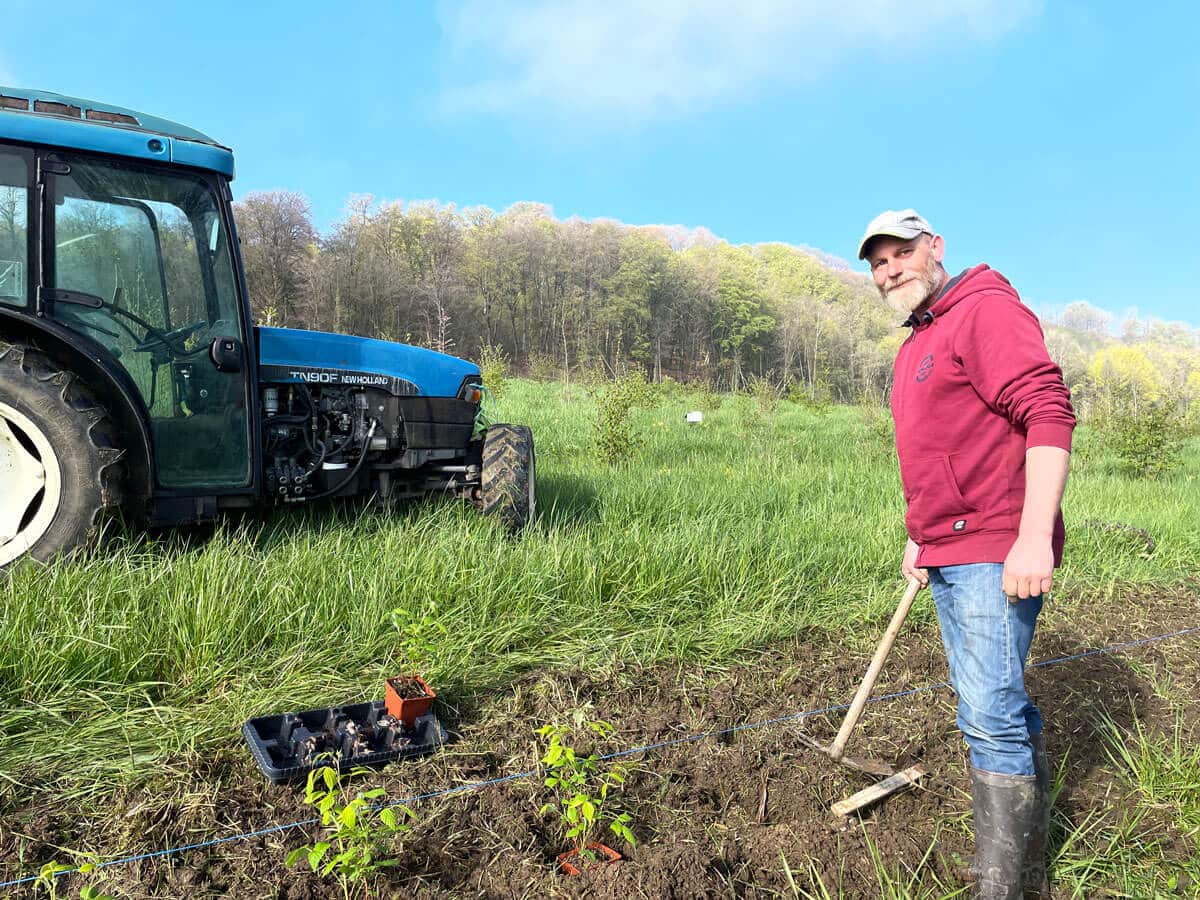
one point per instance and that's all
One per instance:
(142, 265)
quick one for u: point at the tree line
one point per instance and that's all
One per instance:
(573, 296)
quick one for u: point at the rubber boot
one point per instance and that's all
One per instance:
(1036, 881)
(1007, 811)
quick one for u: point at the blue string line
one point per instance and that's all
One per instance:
(518, 776)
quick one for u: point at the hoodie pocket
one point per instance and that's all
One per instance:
(936, 507)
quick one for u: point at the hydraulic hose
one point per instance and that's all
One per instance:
(362, 458)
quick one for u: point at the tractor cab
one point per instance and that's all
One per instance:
(116, 236)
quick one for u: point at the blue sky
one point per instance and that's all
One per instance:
(1059, 142)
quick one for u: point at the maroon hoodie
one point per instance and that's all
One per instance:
(973, 388)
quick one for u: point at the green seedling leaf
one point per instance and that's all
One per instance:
(620, 827)
(316, 853)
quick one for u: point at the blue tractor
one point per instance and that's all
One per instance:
(132, 377)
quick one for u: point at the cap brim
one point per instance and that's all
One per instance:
(896, 231)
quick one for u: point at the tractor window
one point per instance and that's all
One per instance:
(14, 209)
(110, 249)
(139, 267)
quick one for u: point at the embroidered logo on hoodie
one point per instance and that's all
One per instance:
(925, 369)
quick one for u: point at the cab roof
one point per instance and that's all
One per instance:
(58, 120)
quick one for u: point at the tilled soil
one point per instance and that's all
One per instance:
(740, 812)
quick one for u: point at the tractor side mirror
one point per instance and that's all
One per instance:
(226, 354)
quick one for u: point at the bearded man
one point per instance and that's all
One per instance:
(983, 433)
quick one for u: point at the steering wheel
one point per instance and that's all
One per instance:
(168, 339)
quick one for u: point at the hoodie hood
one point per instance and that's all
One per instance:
(968, 282)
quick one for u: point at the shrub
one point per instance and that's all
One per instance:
(359, 833)
(493, 363)
(765, 392)
(543, 368)
(615, 402)
(580, 787)
(708, 397)
(818, 398)
(668, 389)
(1149, 440)
(881, 427)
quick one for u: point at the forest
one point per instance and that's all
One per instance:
(573, 298)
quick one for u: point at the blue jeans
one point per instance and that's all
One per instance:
(987, 642)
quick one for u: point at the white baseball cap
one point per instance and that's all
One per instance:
(898, 223)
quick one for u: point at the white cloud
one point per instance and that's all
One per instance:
(644, 58)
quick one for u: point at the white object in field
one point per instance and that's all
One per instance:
(695, 417)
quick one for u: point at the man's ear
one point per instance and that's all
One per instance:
(937, 247)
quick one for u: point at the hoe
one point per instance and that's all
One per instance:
(893, 781)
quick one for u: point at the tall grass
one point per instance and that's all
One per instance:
(714, 538)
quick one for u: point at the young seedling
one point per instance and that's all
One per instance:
(357, 833)
(408, 695)
(50, 873)
(581, 789)
(417, 647)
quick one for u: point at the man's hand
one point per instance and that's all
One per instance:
(1028, 568)
(909, 567)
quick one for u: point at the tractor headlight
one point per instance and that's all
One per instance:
(471, 391)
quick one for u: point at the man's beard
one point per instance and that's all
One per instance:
(911, 295)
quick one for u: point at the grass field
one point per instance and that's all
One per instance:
(712, 543)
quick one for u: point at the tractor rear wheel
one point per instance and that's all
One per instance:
(508, 479)
(59, 463)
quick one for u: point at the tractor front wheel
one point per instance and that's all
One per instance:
(508, 479)
(59, 465)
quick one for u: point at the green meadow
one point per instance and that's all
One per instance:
(707, 543)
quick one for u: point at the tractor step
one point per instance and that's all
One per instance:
(289, 746)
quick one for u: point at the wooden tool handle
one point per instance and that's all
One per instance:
(838, 747)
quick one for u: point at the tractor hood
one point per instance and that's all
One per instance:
(286, 354)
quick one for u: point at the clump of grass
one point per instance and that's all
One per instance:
(1129, 848)
(894, 881)
(1164, 771)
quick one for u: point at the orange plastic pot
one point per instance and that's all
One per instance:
(407, 708)
(607, 856)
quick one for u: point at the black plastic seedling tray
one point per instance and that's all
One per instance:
(289, 746)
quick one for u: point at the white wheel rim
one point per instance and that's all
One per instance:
(32, 480)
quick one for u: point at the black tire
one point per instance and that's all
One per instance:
(60, 455)
(509, 476)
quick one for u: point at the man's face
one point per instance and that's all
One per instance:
(907, 273)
